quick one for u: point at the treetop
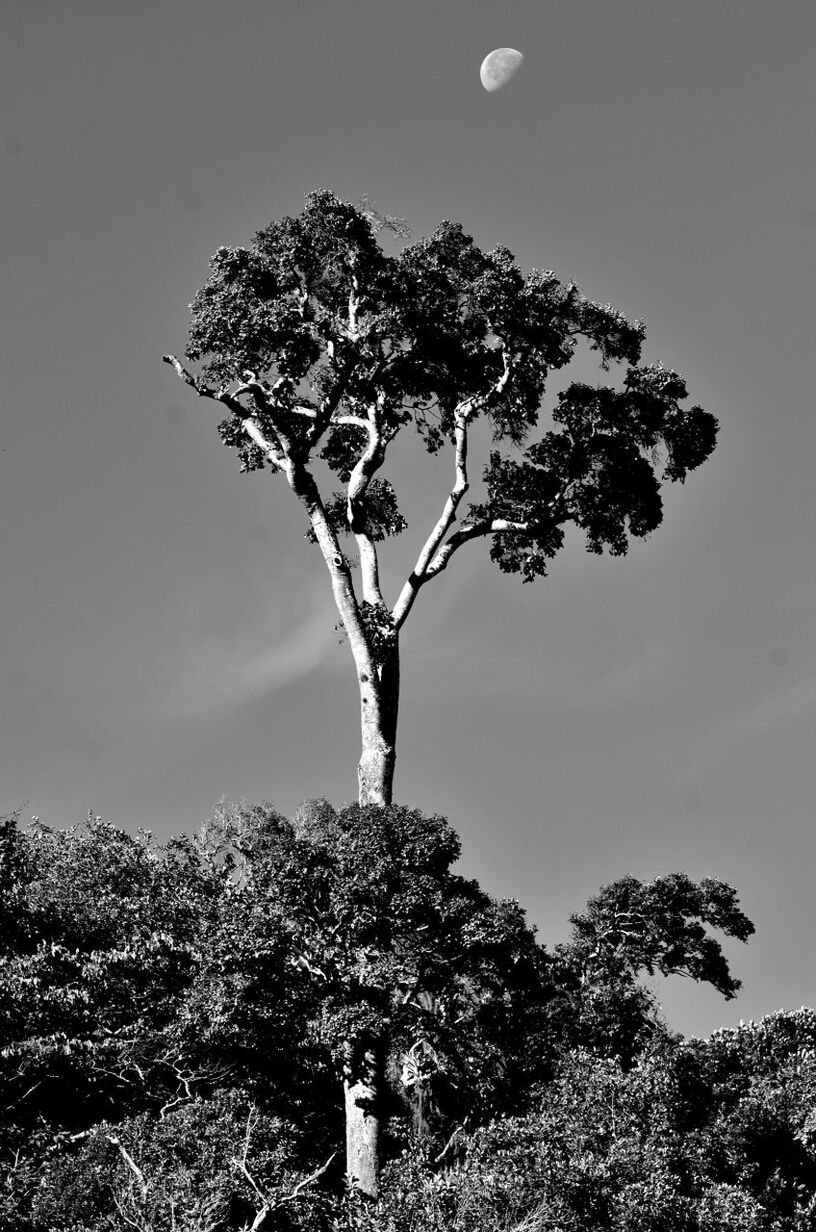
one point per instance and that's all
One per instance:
(321, 344)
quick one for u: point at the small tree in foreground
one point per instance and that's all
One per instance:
(322, 346)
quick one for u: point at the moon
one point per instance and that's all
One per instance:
(499, 67)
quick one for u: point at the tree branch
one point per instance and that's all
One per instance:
(422, 570)
(204, 391)
(303, 484)
(266, 396)
(419, 573)
(364, 470)
(251, 426)
(353, 305)
(140, 1226)
(476, 530)
(488, 526)
(369, 570)
(458, 1131)
(271, 1203)
(253, 430)
(134, 1167)
(356, 421)
(331, 402)
(309, 1180)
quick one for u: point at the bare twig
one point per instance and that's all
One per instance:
(251, 426)
(456, 1133)
(309, 1180)
(131, 1163)
(269, 1203)
(140, 1226)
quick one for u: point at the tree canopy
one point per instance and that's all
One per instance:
(323, 347)
(178, 1020)
(331, 344)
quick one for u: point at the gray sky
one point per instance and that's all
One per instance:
(168, 636)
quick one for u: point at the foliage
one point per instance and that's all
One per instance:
(176, 1018)
(631, 929)
(325, 326)
(699, 1136)
(153, 982)
(323, 348)
(144, 991)
(660, 926)
(391, 947)
(16, 873)
(206, 1166)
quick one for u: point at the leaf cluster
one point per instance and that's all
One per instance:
(383, 519)
(333, 327)
(633, 926)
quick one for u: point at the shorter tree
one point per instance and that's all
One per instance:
(327, 969)
(148, 1022)
(419, 981)
(632, 929)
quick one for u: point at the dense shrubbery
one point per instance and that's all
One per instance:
(176, 1020)
(698, 1136)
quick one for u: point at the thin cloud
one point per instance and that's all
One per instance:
(771, 712)
(222, 669)
(781, 707)
(528, 665)
(636, 678)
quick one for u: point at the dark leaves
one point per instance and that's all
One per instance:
(441, 324)
(382, 518)
(601, 470)
(660, 925)
(617, 492)
(520, 493)
(250, 455)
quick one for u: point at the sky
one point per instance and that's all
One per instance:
(167, 635)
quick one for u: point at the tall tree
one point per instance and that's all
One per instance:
(320, 345)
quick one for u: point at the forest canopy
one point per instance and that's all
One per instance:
(176, 1019)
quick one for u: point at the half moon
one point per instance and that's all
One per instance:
(499, 67)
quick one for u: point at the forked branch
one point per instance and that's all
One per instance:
(274, 452)
(425, 567)
(271, 1202)
(419, 573)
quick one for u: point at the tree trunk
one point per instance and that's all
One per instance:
(379, 707)
(361, 1088)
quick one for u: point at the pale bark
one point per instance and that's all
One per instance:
(379, 709)
(375, 652)
(377, 676)
(376, 659)
(376, 663)
(419, 573)
(361, 1090)
(434, 555)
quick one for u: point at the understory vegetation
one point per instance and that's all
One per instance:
(176, 1020)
